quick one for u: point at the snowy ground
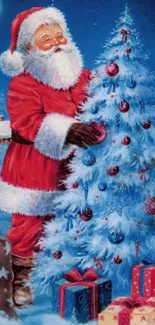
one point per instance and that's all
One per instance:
(39, 319)
(40, 312)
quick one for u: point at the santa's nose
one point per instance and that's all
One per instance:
(63, 41)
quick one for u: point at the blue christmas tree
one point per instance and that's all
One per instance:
(106, 218)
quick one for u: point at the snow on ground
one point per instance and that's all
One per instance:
(6, 321)
(42, 319)
(47, 319)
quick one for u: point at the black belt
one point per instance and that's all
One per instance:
(17, 138)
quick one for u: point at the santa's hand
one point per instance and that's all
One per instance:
(82, 135)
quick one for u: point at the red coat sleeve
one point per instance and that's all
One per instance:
(24, 107)
(47, 131)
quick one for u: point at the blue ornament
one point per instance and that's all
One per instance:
(131, 83)
(88, 158)
(116, 237)
(102, 186)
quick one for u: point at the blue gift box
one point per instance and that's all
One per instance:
(77, 300)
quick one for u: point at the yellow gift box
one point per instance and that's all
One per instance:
(114, 315)
(143, 315)
(125, 311)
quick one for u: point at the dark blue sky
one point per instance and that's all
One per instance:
(90, 22)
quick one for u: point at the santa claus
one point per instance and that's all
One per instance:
(48, 87)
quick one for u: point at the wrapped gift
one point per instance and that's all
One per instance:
(149, 282)
(114, 315)
(145, 315)
(81, 296)
(143, 280)
(127, 311)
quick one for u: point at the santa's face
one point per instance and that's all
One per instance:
(53, 58)
(47, 36)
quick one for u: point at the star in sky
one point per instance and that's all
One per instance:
(3, 273)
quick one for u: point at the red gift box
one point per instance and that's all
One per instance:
(149, 282)
(143, 281)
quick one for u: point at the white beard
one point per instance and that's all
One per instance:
(57, 70)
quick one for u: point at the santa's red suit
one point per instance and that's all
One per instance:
(36, 160)
(32, 171)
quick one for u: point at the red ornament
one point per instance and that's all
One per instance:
(77, 231)
(112, 69)
(75, 238)
(126, 141)
(112, 171)
(118, 259)
(57, 255)
(75, 186)
(128, 50)
(124, 106)
(102, 131)
(106, 219)
(150, 206)
(86, 215)
(147, 125)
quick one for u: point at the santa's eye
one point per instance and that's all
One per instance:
(47, 40)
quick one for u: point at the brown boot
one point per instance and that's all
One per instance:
(22, 269)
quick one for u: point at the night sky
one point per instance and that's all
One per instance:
(90, 22)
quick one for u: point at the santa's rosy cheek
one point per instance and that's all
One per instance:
(45, 46)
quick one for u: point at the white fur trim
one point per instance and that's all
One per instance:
(28, 27)
(50, 139)
(5, 130)
(25, 201)
(11, 64)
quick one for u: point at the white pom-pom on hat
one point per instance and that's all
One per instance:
(11, 64)
(22, 31)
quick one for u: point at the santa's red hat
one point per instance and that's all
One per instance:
(22, 30)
